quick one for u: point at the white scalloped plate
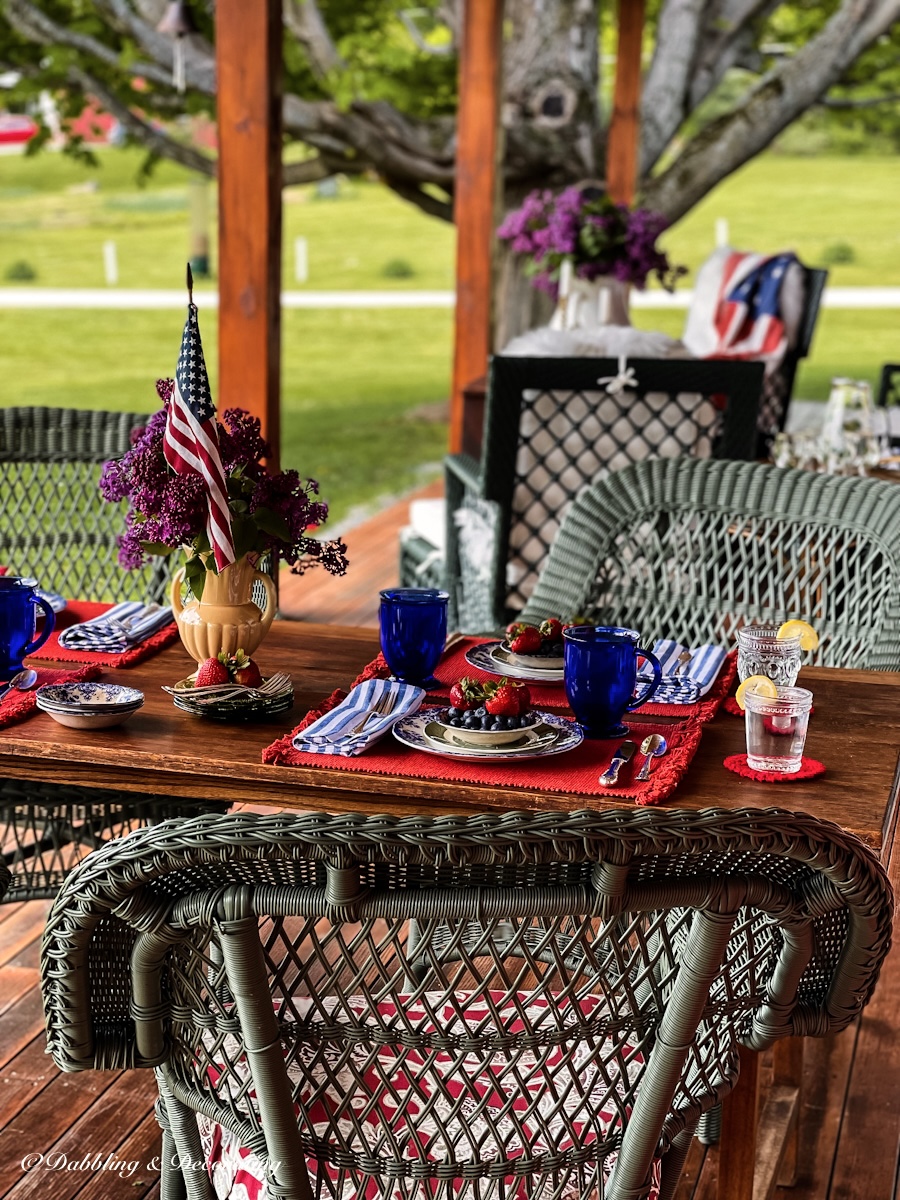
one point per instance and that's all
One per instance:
(421, 732)
(492, 658)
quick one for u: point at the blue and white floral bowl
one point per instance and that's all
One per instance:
(88, 705)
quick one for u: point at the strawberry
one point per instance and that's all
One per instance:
(466, 693)
(508, 699)
(213, 670)
(245, 671)
(525, 639)
(551, 630)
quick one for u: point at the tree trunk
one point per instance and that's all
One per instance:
(550, 88)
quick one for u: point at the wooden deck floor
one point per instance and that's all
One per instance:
(851, 1119)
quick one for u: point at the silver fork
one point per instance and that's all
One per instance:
(381, 708)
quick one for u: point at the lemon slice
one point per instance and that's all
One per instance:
(761, 685)
(809, 639)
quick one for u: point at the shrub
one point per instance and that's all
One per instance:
(398, 268)
(20, 272)
(837, 253)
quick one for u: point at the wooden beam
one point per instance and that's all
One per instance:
(475, 205)
(248, 65)
(623, 141)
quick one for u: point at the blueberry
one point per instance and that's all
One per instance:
(452, 712)
(486, 721)
(496, 724)
(456, 722)
(481, 711)
(469, 719)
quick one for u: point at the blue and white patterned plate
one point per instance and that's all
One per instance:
(555, 735)
(88, 697)
(492, 658)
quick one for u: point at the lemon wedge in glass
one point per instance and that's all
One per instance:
(762, 685)
(809, 639)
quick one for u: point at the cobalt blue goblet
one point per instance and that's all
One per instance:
(413, 623)
(600, 675)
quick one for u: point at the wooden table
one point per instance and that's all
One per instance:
(167, 752)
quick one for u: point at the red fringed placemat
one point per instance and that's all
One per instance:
(809, 769)
(16, 706)
(577, 771)
(453, 665)
(82, 610)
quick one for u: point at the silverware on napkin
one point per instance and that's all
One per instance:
(623, 755)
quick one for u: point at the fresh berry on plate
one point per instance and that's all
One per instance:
(508, 700)
(466, 693)
(551, 630)
(214, 670)
(245, 671)
(524, 639)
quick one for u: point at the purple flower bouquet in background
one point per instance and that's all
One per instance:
(269, 511)
(601, 239)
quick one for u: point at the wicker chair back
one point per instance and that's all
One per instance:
(517, 1006)
(692, 550)
(54, 524)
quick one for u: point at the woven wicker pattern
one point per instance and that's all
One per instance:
(54, 524)
(619, 957)
(550, 430)
(692, 550)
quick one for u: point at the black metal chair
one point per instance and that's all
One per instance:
(550, 430)
(55, 526)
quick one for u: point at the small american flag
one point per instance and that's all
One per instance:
(748, 318)
(191, 440)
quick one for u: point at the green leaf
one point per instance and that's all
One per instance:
(272, 523)
(244, 534)
(156, 548)
(194, 568)
(197, 585)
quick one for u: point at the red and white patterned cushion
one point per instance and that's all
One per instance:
(237, 1173)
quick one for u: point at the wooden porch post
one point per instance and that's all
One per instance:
(475, 207)
(248, 65)
(624, 128)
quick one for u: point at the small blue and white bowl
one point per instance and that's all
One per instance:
(88, 705)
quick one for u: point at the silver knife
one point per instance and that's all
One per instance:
(621, 756)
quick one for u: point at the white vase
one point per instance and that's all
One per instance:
(589, 303)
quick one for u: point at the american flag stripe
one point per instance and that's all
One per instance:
(191, 440)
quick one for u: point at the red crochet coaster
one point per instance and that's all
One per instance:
(809, 769)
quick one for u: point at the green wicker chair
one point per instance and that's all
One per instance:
(503, 1007)
(55, 526)
(549, 430)
(692, 550)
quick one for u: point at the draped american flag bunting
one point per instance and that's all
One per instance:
(191, 440)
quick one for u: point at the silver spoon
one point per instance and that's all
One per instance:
(22, 682)
(654, 746)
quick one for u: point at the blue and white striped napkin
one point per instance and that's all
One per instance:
(688, 685)
(118, 629)
(337, 724)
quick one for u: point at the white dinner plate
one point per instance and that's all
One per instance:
(492, 658)
(422, 732)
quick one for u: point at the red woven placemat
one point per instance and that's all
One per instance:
(16, 706)
(453, 665)
(809, 769)
(82, 610)
(577, 771)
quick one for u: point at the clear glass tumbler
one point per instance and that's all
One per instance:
(776, 729)
(762, 652)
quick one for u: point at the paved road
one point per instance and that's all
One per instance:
(114, 297)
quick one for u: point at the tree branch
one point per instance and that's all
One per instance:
(303, 19)
(770, 106)
(848, 102)
(199, 58)
(156, 140)
(311, 170)
(421, 199)
(664, 98)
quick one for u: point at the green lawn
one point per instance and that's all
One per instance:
(354, 381)
(357, 384)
